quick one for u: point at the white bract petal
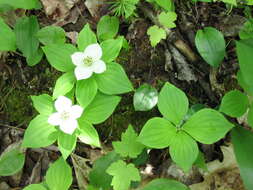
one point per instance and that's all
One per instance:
(99, 66)
(54, 119)
(62, 103)
(69, 126)
(76, 111)
(83, 72)
(93, 51)
(77, 58)
(66, 115)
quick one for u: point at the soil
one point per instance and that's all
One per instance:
(143, 64)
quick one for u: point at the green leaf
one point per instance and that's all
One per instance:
(145, 98)
(247, 30)
(156, 34)
(11, 160)
(232, 2)
(168, 19)
(123, 174)
(183, 150)
(39, 133)
(59, 175)
(207, 126)
(173, 103)
(244, 50)
(7, 37)
(128, 146)
(111, 49)
(114, 80)
(100, 108)
(22, 4)
(88, 134)
(250, 116)
(51, 35)
(86, 91)
(66, 144)
(200, 162)
(35, 187)
(234, 103)
(246, 87)
(59, 56)
(35, 58)
(242, 140)
(98, 176)
(86, 37)
(26, 29)
(211, 45)
(167, 5)
(157, 133)
(64, 84)
(164, 184)
(43, 104)
(107, 27)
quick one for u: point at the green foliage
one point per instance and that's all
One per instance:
(22, 4)
(145, 98)
(124, 8)
(88, 134)
(107, 27)
(247, 31)
(39, 133)
(85, 38)
(66, 143)
(207, 126)
(51, 35)
(128, 146)
(98, 176)
(59, 175)
(43, 104)
(114, 80)
(242, 140)
(168, 19)
(172, 103)
(86, 91)
(64, 84)
(35, 187)
(156, 34)
(7, 37)
(100, 108)
(250, 116)
(26, 29)
(211, 45)
(234, 103)
(123, 174)
(164, 184)
(167, 5)
(58, 56)
(11, 160)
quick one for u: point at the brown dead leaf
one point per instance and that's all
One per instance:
(223, 175)
(81, 170)
(94, 7)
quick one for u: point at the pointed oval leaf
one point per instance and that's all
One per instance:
(234, 103)
(173, 103)
(211, 45)
(86, 91)
(66, 144)
(250, 116)
(184, 150)
(43, 104)
(100, 108)
(164, 184)
(35, 187)
(59, 56)
(59, 175)
(7, 37)
(108, 27)
(114, 80)
(157, 133)
(39, 133)
(207, 126)
(86, 37)
(51, 35)
(64, 84)
(111, 49)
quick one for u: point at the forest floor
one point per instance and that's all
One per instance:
(143, 64)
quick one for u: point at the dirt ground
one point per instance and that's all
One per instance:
(175, 60)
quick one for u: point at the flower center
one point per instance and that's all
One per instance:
(65, 115)
(88, 61)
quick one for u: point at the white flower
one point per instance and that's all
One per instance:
(88, 62)
(66, 115)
